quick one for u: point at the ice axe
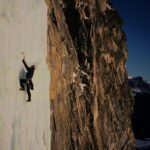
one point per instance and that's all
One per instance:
(23, 55)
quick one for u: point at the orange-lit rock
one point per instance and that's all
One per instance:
(90, 100)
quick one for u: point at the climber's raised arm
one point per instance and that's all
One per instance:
(25, 64)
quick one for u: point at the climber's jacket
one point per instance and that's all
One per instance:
(30, 70)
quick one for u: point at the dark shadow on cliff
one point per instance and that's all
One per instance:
(140, 118)
(72, 18)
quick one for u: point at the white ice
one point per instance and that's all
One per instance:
(23, 126)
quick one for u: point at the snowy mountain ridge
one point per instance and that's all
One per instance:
(139, 85)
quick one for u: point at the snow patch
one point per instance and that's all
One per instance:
(142, 144)
(137, 90)
(84, 73)
(82, 86)
(109, 7)
(130, 77)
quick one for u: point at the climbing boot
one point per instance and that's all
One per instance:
(29, 100)
(22, 89)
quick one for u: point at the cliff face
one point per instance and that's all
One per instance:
(90, 100)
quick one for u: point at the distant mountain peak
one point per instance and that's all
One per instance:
(139, 85)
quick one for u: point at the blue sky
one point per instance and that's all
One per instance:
(136, 16)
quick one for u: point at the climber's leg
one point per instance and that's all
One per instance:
(28, 92)
(22, 82)
(31, 85)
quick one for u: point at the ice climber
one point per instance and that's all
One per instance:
(28, 81)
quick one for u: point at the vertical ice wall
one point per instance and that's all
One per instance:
(23, 126)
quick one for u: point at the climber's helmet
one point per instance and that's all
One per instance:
(33, 67)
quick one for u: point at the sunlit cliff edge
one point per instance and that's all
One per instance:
(90, 100)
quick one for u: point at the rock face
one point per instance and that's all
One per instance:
(90, 100)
